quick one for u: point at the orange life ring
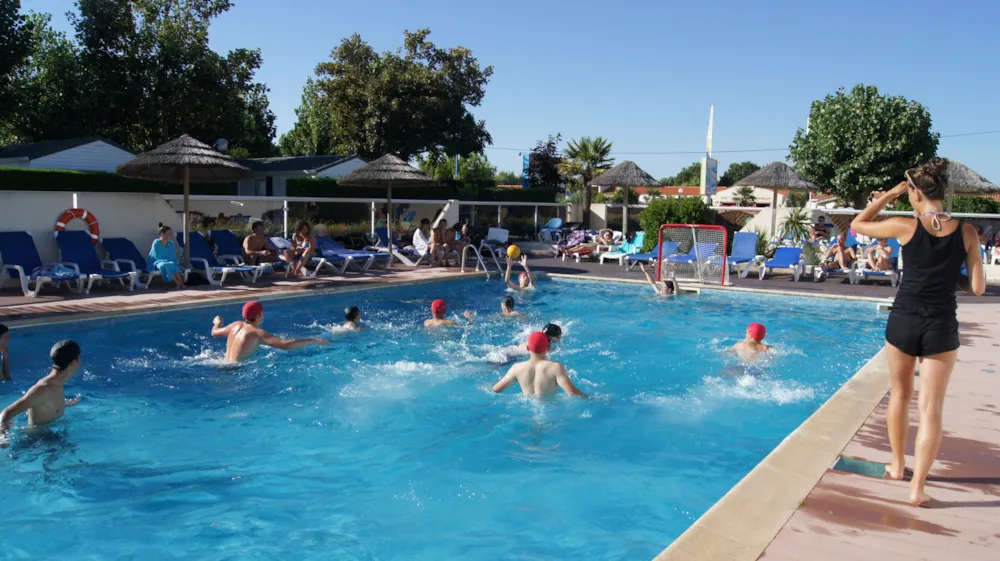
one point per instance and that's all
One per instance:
(73, 213)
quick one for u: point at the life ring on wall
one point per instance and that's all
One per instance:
(71, 214)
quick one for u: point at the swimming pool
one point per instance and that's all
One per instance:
(390, 445)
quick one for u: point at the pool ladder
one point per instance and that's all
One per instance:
(480, 263)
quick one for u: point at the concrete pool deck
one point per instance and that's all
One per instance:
(793, 505)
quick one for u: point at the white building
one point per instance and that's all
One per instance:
(78, 154)
(272, 174)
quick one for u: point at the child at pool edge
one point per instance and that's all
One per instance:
(352, 315)
(46, 400)
(4, 353)
(538, 375)
(507, 307)
(751, 346)
(243, 338)
(525, 280)
(438, 309)
(669, 287)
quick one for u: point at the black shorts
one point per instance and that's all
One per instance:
(918, 335)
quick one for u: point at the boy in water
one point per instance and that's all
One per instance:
(4, 353)
(667, 288)
(525, 280)
(553, 332)
(243, 338)
(352, 315)
(438, 309)
(507, 307)
(538, 375)
(749, 348)
(46, 401)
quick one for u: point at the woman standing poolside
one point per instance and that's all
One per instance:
(163, 257)
(923, 320)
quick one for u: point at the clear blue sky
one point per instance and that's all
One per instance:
(644, 74)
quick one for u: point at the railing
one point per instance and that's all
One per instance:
(479, 259)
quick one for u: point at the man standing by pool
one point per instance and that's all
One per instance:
(46, 400)
(243, 338)
(4, 353)
(438, 309)
(538, 375)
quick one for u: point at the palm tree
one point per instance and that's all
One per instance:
(585, 159)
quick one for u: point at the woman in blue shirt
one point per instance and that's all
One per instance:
(163, 257)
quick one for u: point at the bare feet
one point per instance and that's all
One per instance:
(919, 498)
(894, 473)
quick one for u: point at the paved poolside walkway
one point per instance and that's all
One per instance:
(849, 516)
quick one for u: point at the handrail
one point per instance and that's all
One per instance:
(479, 259)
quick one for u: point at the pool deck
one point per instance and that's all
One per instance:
(793, 505)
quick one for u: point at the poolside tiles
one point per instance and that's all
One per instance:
(850, 516)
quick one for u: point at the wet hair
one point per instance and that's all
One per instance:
(352, 313)
(931, 178)
(3, 329)
(302, 224)
(63, 354)
(425, 221)
(552, 330)
(507, 302)
(255, 224)
(163, 229)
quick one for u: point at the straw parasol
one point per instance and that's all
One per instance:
(964, 181)
(626, 174)
(185, 160)
(775, 176)
(388, 171)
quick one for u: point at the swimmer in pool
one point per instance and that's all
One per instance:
(438, 309)
(666, 288)
(4, 353)
(352, 315)
(538, 375)
(46, 400)
(749, 348)
(245, 337)
(507, 307)
(525, 280)
(553, 332)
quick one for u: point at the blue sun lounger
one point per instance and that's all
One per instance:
(784, 258)
(744, 253)
(77, 251)
(230, 250)
(334, 252)
(701, 251)
(281, 245)
(625, 249)
(408, 257)
(204, 263)
(21, 262)
(128, 258)
(862, 272)
(653, 256)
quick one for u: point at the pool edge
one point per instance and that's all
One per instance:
(741, 524)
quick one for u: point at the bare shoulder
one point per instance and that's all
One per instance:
(970, 234)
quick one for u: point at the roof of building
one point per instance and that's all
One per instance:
(36, 150)
(293, 163)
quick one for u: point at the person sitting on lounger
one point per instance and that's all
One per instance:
(879, 255)
(507, 307)
(163, 257)
(839, 256)
(352, 319)
(438, 310)
(46, 400)
(666, 288)
(243, 338)
(423, 241)
(820, 230)
(443, 239)
(4, 353)
(525, 280)
(538, 375)
(302, 250)
(256, 248)
(751, 346)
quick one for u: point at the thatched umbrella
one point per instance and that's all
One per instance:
(964, 181)
(185, 160)
(775, 176)
(626, 174)
(388, 171)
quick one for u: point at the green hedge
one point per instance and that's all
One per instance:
(446, 190)
(23, 179)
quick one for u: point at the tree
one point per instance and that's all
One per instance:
(312, 134)
(543, 164)
(16, 37)
(744, 196)
(405, 102)
(690, 176)
(859, 142)
(796, 199)
(686, 210)
(508, 178)
(474, 168)
(736, 172)
(585, 159)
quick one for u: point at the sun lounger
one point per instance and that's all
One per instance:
(624, 249)
(204, 263)
(669, 248)
(281, 245)
(128, 258)
(551, 232)
(77, 251)
(408, 257)
(333, 252)
(862, 272)
(495, 242)
(784, 258)
(21, 261)
(744, 252)
(230, 250)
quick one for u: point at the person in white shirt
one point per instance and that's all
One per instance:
(422, 238)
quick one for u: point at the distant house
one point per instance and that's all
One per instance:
(79, 154)
(667, 191)
(272, 174)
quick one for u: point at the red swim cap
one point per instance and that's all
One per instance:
(438, 307)
(538, 342)
(757, 331)
(252, 310)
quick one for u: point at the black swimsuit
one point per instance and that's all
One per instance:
(923, 320)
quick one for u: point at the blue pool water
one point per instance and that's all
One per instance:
(390, 445)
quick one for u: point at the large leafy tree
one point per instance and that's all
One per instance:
(508, 178)
(406, 102)
(736, 172)
(474, 168)
(860, 141)
(15, 46)
(584, 160)
(543, 164)
(312, 134)
(687, 177)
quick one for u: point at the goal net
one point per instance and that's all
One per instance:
(693, 253)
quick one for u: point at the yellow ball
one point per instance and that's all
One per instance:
(513, 251)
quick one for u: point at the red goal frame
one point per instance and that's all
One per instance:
(725, 247)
